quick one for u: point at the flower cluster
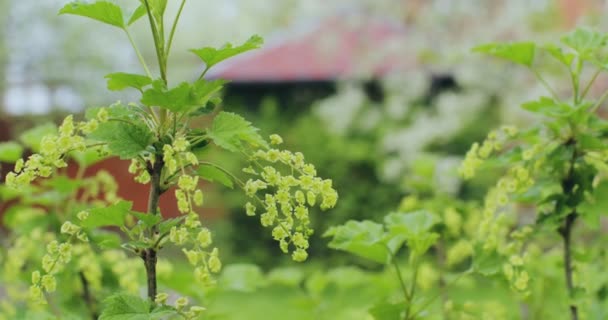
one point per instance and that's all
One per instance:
(194, 312)
(478, 153)
(286, 197)
(57, 256)
(53, 150)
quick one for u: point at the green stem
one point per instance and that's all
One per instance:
(149, 255)
(595, 75)
(412, 290)
(545, 84)
(400, 276)
(431, 300)
(138, 53)
(172, 33)
(599, 102)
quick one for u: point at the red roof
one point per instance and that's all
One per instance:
(334, 49)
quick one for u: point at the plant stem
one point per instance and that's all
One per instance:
(545, 84)
(150, 255)
(172, 33)
(566, 233)
(86, 295)
(568, 185)
(138, 53)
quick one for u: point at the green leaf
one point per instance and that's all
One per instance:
(130, 307)
(585, 42)
(230, 130)
(213, 174)
(176, 99)
(137, 14)
(204, 91)
(388, 311)
(366, 239)
(147, 219)
(120, 81)
(548, 107)
(32, 137)
(105, 239)
(410, 224)
(103, 11)
(212, 56)
(124, 139)
(558, 53)
(113, 215)
(166, 225)
(486, 262)
(241, 277)
(10, 151)
(518, 52)
(158, 7)
(596, 206)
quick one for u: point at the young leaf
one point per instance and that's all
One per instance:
(366, 239)
(212, 56)
(176, 99)
(158, 7)
(120, 81)
(204, 91)
(387, 311)
(518, 52)
(103, 11)
(129, 307)
(113, 215)
(230, 130)
(147, 219)
(548, 107)
(137, 14)
(486, 262)
(213, 174)
(592, 210)
(10, 151)
(126, 140)
(411, 224)
(585, 42)
(166, 225)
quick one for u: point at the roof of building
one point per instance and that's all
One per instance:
(344, 47)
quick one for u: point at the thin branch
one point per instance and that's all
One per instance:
(138, 53)
(595, 75)
(172, 33)
(545, 84)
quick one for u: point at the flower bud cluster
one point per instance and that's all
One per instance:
(194, 312)
(53, 149)
(481, 152)
(56, 257)
(285, 198)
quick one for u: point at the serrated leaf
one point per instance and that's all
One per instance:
(548, 107)
(120, 81)
(176, 99)
(410, 224)
(596, 206)
(212, 56)
(137, 14)
(166, 225)
(125, 140)
(103, 11)
(32, 137)
(486, 262)
(584, 41)
(130, 307)
(10, 151)
(203, 92)
(230, 130)
(147, 219)
(518, 52)
(105, 239)
(387, 311)
(113, 215)
(558, 53)
(366, 239)
(213, 174)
